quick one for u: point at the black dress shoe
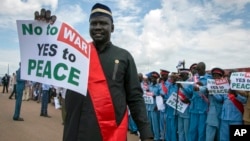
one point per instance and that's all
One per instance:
(46, 115)
(134, 132)
(18, 119)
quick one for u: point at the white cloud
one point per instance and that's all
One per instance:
(12, 10)
(183, 30)
(72, 14)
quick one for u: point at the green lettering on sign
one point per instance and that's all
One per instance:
(74, 73)
(57, 67)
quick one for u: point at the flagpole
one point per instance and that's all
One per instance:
(8, 69)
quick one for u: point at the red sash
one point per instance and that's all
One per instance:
(102, 102)
(236, 103)
(164, 88)
(181, 95)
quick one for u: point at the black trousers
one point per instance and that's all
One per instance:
(13, 92)
(5, 86)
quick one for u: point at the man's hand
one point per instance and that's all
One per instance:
(199, 83)
(45, 15)
(179, 85)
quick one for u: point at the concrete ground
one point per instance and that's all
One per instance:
(34, 127)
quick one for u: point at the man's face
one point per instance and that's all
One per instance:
(184, 76)
(100, 29)
(216, 76)
(154, 79)
(200, 70)
(193, 70)
(164, 76)
(174, 78)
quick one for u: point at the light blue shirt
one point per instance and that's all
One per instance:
(45, 86)
(199, 100)
(229, 111)
(154, 88)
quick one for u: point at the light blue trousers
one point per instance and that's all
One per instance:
(183, 126)
(154, 117)
(197, 128)
(171, 129)
(131, 124)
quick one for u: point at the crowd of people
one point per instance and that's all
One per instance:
(25, 90)
(207, 117)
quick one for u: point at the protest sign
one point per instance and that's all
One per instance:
(240, 81)
(181, 107)
(148, 99)
(53, 54)
(218, 86)
(160, 103)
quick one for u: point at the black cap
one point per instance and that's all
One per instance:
(101, 10)
(155, 74)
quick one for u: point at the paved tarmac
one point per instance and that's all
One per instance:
(34, 127)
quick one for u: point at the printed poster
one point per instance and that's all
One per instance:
(240, 81)
(53, 54)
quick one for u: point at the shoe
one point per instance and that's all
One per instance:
(18, 119)
(133, 132)
(41, 114)
(47, 116)
(10, 98)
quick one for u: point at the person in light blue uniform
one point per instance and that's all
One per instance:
(183, 118)
(171, 113)
(153, 113)
(163, 92)
(145, 87)
(214, 112)
(199, 104)
(20, 85)
(231, 114)
(131, 125)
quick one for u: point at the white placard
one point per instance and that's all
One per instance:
(159, 103)
(181, 107)
(57, 103)
(218, 86)
(53, 54)
(240, 81)
(148, 99)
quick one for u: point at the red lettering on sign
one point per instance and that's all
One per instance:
(221, 81)
(69, 36)
(247, 74)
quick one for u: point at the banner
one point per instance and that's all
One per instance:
(218, 86)
(57, 103)
(148, 99)
(160, 103)
(53, 54)
(240, 81)
(181, 107)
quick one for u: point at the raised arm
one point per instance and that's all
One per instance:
(45, 15)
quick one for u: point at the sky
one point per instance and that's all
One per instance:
(158, 33)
